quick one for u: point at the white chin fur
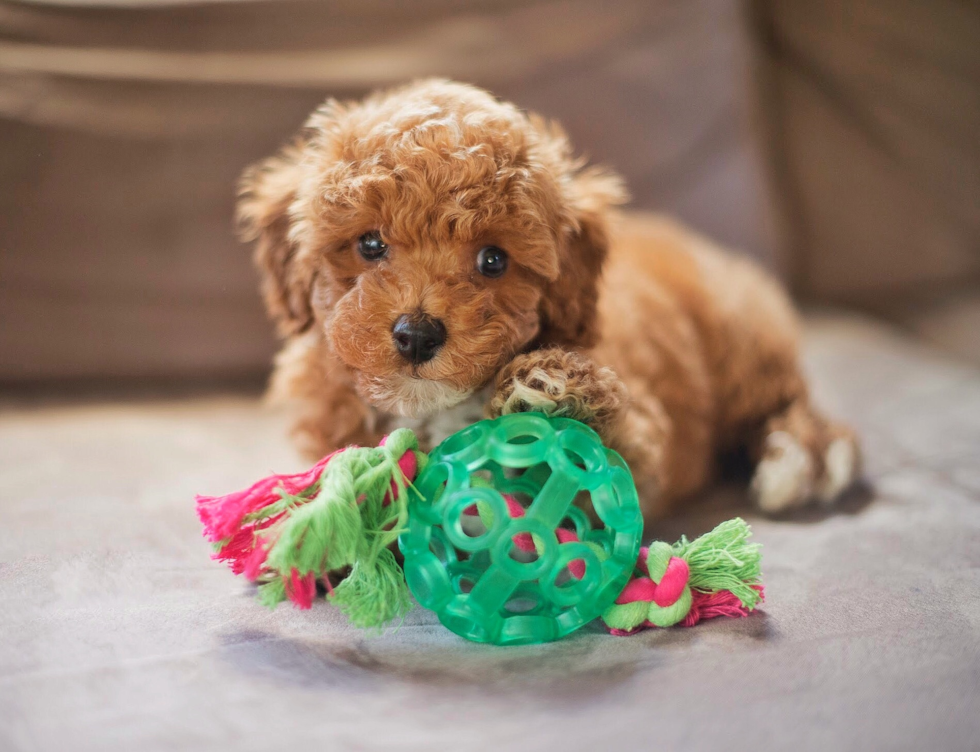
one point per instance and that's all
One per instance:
(413, 398)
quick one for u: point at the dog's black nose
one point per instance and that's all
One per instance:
(418, 337)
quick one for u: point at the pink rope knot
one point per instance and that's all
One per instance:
(664, 593)
(672, 584)
(240, 523)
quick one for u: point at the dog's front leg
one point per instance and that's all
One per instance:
(561, 383)
(569, 384)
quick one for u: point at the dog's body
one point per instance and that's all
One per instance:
(435, 256)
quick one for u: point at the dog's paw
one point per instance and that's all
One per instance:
(790, 474)
(559, 383)
(841, 466)
(784, 477)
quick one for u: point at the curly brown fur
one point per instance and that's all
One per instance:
(675, 352)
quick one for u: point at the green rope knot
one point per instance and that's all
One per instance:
(351, 521)
(717, 574)
(660, 560)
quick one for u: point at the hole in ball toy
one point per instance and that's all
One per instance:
(570, 574)
(575, 458)
(526, 429)
(464, 585)
(536, 475)
(522, 549)
(463, 619)
(521, 484)
(481, 477)
(520, 440)
(474, 517)
(472, 524)
(575, 523)
(441, 548)
(521, 605)
(521, 498)
(468, 441)
(615, 501)
(583, 453)
(433, 484)
(575, 576)
(527, 549)
(490, 475)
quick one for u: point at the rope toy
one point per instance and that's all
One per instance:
(496, 529)
(714, 575)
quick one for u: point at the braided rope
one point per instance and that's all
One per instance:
(714, 575)
(287, 531)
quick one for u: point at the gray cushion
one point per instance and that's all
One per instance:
(118, 633)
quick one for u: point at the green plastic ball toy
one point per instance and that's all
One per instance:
(498, 544)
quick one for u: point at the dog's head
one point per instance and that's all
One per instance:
(431, 233)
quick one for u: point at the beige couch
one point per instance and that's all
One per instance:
(870, 113)
(125, 130)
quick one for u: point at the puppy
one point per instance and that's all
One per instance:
(433, 256)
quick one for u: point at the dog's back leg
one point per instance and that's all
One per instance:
(801, 455)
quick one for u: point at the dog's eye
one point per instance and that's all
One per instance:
(371, 246)
(491, 261)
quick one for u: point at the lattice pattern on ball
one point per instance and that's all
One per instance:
(498, 545)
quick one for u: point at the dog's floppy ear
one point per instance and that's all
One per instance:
(266, 192)
(568, 308)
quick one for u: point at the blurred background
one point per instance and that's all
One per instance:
(838, 142)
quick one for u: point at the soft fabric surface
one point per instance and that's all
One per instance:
(118, 632)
